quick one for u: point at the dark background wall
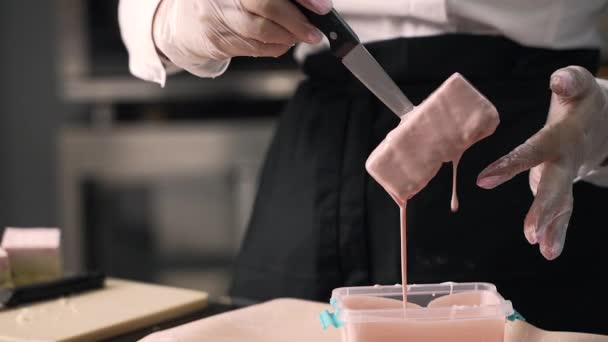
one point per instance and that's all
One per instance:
(30, 112)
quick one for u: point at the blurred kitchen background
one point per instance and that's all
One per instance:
(147, 183)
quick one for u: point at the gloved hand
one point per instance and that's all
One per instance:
(191, 33)
(572, 145)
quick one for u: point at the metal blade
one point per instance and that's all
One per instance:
(365, 67)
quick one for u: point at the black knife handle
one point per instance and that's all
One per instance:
(341, 37)
(53, 289)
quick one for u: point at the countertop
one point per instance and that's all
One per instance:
(213, 308)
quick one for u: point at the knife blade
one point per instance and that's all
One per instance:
(345, 45)
(69, 285)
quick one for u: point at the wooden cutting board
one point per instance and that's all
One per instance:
(292, 320)
(120, 307)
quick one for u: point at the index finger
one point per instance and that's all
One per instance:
(286, 14)
(318, 6)
(542, 146)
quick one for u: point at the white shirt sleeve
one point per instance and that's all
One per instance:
(135, 18)
(597, 177)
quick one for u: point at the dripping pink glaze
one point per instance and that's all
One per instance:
(402, 216)
(454, 204)
(441, 129)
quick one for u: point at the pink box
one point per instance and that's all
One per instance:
(33, 253)
(5, 270)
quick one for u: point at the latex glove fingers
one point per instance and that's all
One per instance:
(543, 146)
(551, 182)
(570, 143)
(570, 129)
(547, 220)
(192, 32)
(286, 15)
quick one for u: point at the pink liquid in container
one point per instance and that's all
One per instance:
(455, 312)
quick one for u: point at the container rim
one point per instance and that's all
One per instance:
(503, 309)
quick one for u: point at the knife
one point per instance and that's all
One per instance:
(345, 45)
(69, 285)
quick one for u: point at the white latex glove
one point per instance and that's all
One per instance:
(571, 146)
(201, 34)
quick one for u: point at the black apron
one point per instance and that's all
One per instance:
(321, 222)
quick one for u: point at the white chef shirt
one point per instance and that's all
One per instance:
(558, 24)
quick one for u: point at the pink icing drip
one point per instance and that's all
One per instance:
(402, 214)
(454, 203)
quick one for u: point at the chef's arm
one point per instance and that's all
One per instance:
(201, 36)
(146, 61)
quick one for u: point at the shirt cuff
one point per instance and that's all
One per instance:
(597, 177)
(135, 18)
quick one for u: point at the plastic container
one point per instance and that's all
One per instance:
(455, 312)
